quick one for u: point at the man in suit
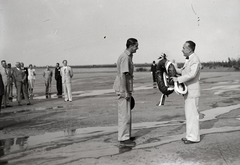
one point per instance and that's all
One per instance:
(1, 91)
(153, 71)
(123, 85)
(58, 79)
(191, 76)
(20, 79)
(67, 74)
(25, 83)
(10, 89)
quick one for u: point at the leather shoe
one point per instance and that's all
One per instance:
(184, 139)
(132, 138)
(127, 143)
(29, 104)
(190, 142)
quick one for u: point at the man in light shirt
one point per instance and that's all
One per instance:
(6, 81)
(67, 74)
(123, 85)
(47, 74)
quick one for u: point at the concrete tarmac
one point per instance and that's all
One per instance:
(84, 131)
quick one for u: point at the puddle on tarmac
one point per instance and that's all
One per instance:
(33, 109)
(87, 93)
(13, 147)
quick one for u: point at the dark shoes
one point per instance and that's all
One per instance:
(29, 104)
(185, 141)
(127, 143)
(132, 138)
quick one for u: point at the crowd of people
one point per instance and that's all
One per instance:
(23, 79)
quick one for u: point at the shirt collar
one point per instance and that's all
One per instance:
(127, 52)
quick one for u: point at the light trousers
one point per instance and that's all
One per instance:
(48, 86)
(67, 91)
(5, 100)
(124, 119)
(192, 119)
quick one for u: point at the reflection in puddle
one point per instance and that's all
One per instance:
(33, 109)
(70, 140)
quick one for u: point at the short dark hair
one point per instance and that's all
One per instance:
(131, 42)
(3, 61)
(57, 63)
(64, 60)
(191, 45)
(30, 65)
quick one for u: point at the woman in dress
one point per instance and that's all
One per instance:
(31, 79)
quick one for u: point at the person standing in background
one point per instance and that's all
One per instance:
(25, 83)
(58, 79)
(123, 86)
(31, 80)
(153, 71)
(1, 91)
(5, 78)
(67, 74)
(20, 79)
(47, 74)
(10, 88)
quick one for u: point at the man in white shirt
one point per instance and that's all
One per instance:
(47, 74)
(6, 81)
(123, 85)
(67, 74)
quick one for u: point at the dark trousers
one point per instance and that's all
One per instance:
(154, 76)
(25, 84)
(59, 86)
(22, 87)
(1, 102)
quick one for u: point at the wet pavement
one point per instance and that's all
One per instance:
(158, 142)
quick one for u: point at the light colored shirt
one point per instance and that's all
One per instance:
(124, 65)
(31, 73)
(47, 74)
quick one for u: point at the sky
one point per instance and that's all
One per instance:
(86, 32)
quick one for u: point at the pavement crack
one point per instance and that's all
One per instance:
(218, 146)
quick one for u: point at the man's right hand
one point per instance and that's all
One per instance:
(127, 95)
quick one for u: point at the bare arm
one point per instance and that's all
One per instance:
(125, 85)
(71, 72)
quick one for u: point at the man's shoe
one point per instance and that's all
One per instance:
(132, 138)
(190, 142)
(29, 104)
(184, 139)
(127, 143)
